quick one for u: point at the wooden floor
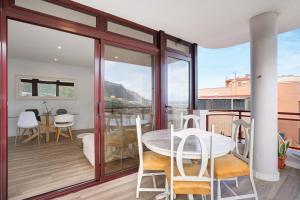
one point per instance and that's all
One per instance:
(288, 188)
(35, 169)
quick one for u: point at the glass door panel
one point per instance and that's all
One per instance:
(128, 92)
(49, 76)
(178, 90)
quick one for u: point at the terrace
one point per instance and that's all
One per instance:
(93, 96)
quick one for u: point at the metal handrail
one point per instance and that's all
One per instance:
(240, 114)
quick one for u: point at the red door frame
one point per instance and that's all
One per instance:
(10, 11)
(156, 97)
(189, 57)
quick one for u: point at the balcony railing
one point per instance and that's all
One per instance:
(288, 123)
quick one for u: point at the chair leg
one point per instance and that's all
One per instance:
(38, 130)
(236, 182)
(139, 180)
(190, 197)
(253, 187)
(219, 190)
(18, 134)
(154, 182)
(58, 134)
(70, 133)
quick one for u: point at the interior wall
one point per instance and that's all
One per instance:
(82, 105)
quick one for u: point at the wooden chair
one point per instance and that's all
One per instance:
(237, 164)
(184, 121)
(149, 161)
(117, 138)
(29, 123)
(63, 121)
(190, 179)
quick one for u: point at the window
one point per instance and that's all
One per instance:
(25, 89)
(57, 11)
(178, 46)
(45, 88)
(130, 32)
(239, 104)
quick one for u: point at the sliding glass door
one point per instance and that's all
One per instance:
(178, 90)
(51, 115)
(128, 93)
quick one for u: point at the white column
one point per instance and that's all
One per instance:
(263, 30)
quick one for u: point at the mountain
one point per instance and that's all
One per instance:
(117, 94)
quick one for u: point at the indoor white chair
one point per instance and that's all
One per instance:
(63, 121)
(28, 122)
(149, 161)
(191, 178)
(237, 164)
(184, 121)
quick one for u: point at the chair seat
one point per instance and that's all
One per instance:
(154, 161)
(63, 125)
(229, 166)
(188, 187)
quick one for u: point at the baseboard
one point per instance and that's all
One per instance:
(266, 177)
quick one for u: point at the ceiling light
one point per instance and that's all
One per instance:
(59, 47)
(116, 57)
(55, 59)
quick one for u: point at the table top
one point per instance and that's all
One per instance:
(127, 122)
(159, 141)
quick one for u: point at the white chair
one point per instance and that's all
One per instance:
(191, 179)
(184, 121)
(149, 161)
(28, 122)
(63, 121)
(237, 164)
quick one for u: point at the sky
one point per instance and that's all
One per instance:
(136, 78)
(215, 65)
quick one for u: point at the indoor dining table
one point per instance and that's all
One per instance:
(159, 141)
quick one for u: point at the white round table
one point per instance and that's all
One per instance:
(159, 141)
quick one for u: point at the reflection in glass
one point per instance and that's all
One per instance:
(128, 93)
(178, 90)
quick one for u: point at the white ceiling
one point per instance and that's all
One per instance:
(210, 23)
(30, 42)
(35, 43)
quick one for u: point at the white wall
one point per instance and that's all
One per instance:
(83, 104)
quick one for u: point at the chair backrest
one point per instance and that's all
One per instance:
(248, 129)
(206, 153)
(27, 120)
(186, 118)
(36, 113)
(113, 120)
(66, 118)
(61, 111)
(139, 139)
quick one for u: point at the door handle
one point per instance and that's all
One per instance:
(98, 109)
(167, 108)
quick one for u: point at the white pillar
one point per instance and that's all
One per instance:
(263, 30)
